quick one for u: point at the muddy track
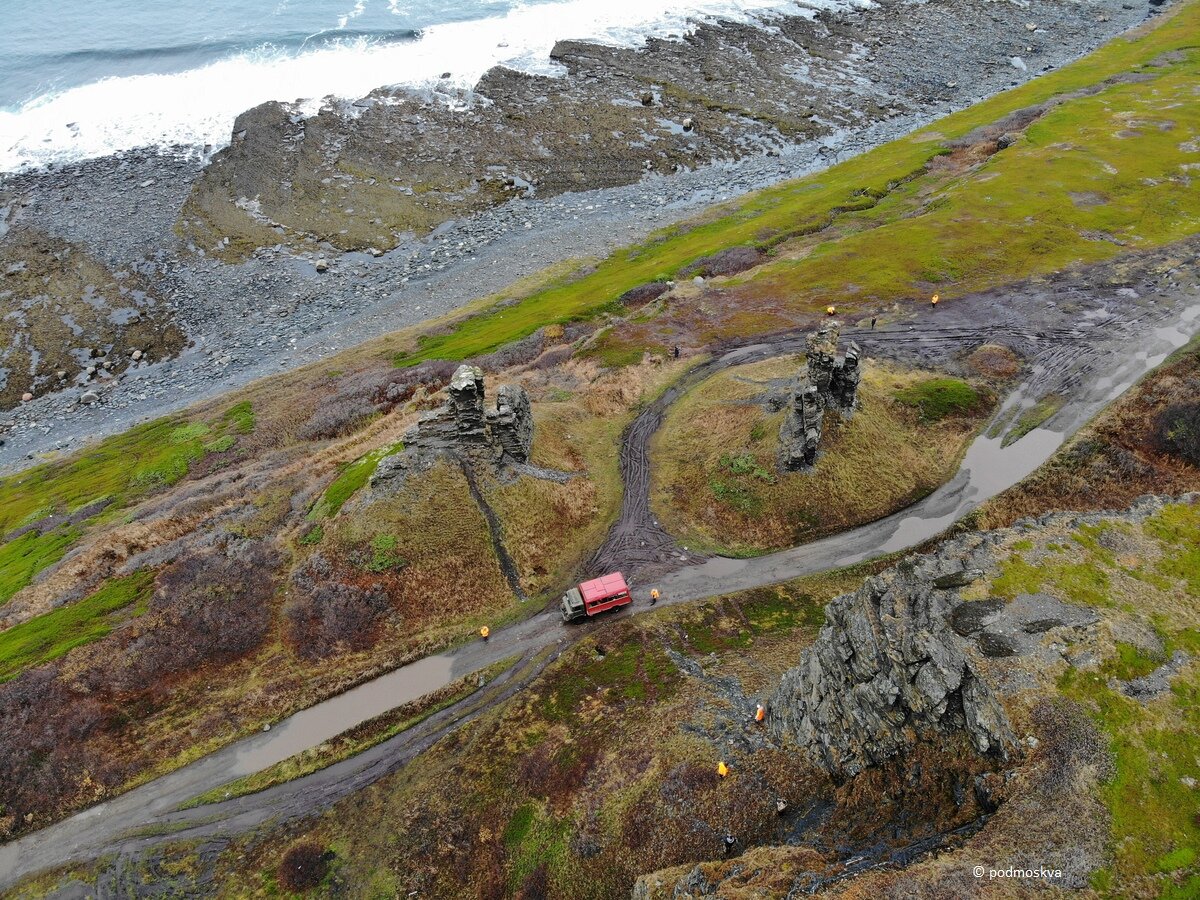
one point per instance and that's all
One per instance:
(640, 547)
(301, 796)
(636, 543)
(1089, 351)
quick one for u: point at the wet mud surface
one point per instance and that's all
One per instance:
(1104, 327)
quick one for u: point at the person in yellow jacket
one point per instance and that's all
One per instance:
(653, 596)
(484, 632)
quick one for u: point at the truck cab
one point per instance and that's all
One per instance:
(589, 598)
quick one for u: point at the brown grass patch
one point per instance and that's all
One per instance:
(717, 487)
(994, 361)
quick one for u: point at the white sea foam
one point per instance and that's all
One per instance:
(196, 108)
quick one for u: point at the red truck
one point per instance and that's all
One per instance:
(595, 596)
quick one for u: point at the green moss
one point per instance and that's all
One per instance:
(940, 398)
(221, 444)
(1132, 662)
(352, 477)
(535, 837)
(1177, 527)
(518, 826)
(780, 609)
(741, 497)
(314, 535)
(1032, 417)
(1084, 583)
(23, 557)
(1155, 747)
(239, 417)
(634, 671)
(383, 554)
(49, 636)
(123, 469)
(613, 352)
(746, 464)
(1017, 577)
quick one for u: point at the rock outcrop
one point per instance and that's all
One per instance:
(800, 433)
(511, 422)
(465, 426)
(464, 423)
(885, 670)
(830, 383)
(835, 377)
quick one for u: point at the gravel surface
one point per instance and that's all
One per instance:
(276, 312)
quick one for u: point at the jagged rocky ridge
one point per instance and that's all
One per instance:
(880, 677)
(899, 659)
(886, 669)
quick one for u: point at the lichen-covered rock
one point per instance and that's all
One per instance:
(843, 381)
(511, 422)
(800, 433)
(821, 352)
(466, 405)
(885, 669)
(464, 425)
(831, 383)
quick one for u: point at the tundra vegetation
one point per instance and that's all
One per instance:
(225, 567)
(718, 486)
(604, 769)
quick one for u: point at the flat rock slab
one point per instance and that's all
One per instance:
(1015, 629)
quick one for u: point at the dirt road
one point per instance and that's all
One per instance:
(1111, 341)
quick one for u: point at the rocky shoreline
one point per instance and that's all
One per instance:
(868, 76)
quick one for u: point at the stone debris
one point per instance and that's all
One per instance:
(830, 383)
(1016, 628)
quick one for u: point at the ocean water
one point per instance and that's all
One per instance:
(86, 78)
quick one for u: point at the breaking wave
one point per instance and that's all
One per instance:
(193, 106)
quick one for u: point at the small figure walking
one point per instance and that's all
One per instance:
(676, 351)
(730, 842)
(874, 319)
(484, 632)
(653, 596)
(780, 806)
(933, 301)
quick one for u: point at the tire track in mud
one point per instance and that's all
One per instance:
(1057, 360)
(637, 542)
